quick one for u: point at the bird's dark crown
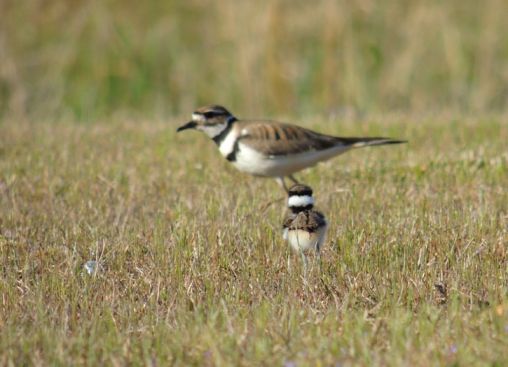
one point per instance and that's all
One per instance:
(213, 111)
(300, 190)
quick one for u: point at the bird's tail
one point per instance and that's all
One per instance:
(366, 142)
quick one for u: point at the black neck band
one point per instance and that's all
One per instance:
(298, 209)
(219, 138)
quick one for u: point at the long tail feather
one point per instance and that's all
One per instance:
(364, 142)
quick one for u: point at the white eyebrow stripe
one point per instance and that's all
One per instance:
(300, 201)
(198, 117)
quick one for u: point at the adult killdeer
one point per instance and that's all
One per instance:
(304, 228)
(269, 148)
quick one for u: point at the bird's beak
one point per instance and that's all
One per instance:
(188, 125)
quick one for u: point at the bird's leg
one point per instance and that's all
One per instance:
(293, 179)
(282, 183)
(318, 259)
(304, 259)
(289, 261)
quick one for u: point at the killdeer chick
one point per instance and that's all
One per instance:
(269, 148)
(304, 228)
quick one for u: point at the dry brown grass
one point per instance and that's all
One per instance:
(194, 272)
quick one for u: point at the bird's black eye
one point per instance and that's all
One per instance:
(210, 114)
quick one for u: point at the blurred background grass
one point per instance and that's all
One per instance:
(90, 59)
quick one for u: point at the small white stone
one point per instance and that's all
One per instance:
(91, 267)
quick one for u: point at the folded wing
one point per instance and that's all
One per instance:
(276, 138)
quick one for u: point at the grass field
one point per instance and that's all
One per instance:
(193, 269)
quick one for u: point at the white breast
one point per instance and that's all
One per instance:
(228, 144)
(251, 161)
(258, 164)
(301, 240)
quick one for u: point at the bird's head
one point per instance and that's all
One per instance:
(300, 198)
(212, 120)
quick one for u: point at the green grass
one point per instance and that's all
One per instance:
(194, 270)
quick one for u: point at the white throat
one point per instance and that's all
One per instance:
(300, 201)
(213, 130)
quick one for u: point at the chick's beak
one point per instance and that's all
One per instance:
(188, 125)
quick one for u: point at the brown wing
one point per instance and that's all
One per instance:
(290, 217)
(278, 138)
(309, 221)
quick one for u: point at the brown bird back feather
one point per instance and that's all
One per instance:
(308, 220)
(277, 138)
